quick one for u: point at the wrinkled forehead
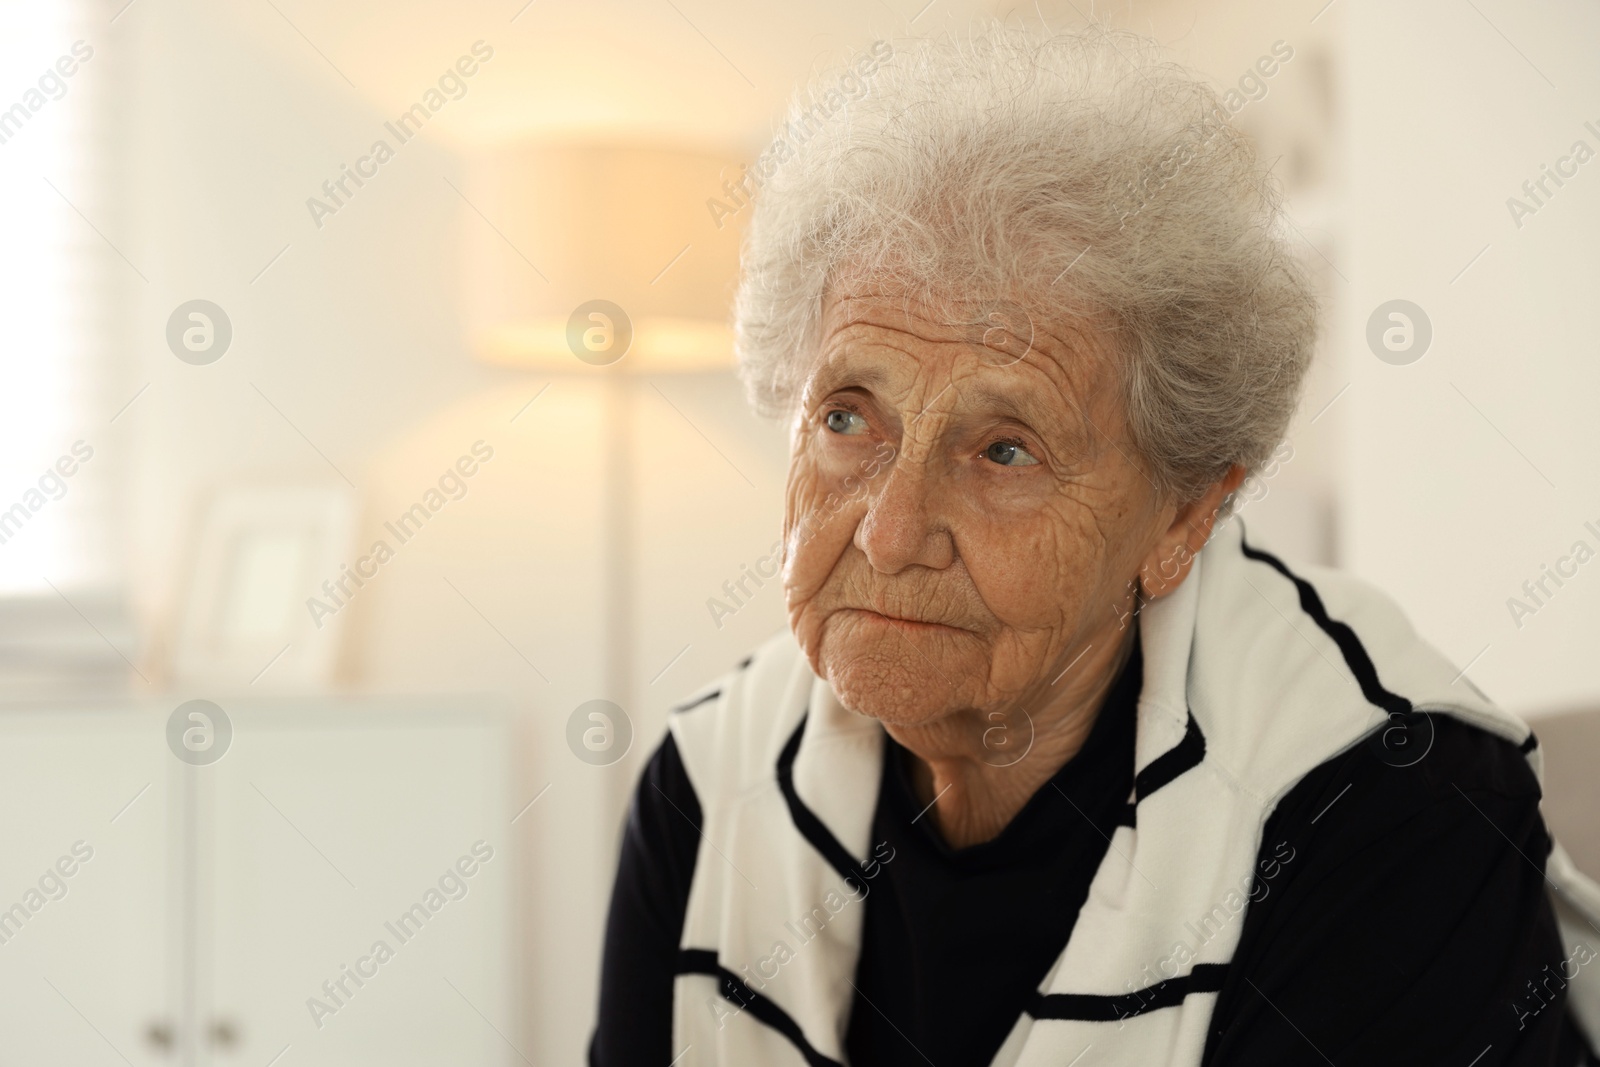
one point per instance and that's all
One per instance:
(975, 352)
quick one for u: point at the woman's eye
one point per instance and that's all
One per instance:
(842, 421)
(1009, 454)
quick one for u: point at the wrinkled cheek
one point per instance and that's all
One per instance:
(818, 528)
(819, 524)
(1040, 578)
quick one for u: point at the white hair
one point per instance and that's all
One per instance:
(1076, 175)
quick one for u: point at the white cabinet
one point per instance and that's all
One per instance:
(83, 970)
(339, 885)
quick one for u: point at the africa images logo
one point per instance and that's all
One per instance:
(199, 732)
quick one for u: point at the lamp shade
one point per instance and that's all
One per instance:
(617, 248)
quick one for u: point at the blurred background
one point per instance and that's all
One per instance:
(298, 466)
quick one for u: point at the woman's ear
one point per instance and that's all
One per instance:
(1168, 563)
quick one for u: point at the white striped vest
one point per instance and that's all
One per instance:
(1253, 676)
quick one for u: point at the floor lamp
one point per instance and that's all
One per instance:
(604, 261)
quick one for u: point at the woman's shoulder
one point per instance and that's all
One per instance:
(1449, 765)
(1292, 664)
(1399, 910)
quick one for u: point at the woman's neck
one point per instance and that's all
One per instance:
(975, 770)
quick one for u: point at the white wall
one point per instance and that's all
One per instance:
(1470, 468)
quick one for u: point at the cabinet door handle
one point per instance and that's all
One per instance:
(224, 1033)
(158, 1034)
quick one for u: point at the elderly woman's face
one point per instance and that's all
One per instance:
(960, 522)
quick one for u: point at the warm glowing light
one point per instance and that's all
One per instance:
(549, 229)
(661, 345)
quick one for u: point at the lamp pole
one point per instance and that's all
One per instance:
(618, 513)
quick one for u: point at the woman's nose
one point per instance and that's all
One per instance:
(903, 526)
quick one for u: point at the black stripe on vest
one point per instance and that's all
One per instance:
(806, 821)
(1095, 1008)
(733, 989)
(1355, 656)
(695, 702)
(1183, 756)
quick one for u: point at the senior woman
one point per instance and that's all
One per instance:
(1054, 765)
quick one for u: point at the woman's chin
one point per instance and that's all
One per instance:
(896, 687)
(889, 707)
